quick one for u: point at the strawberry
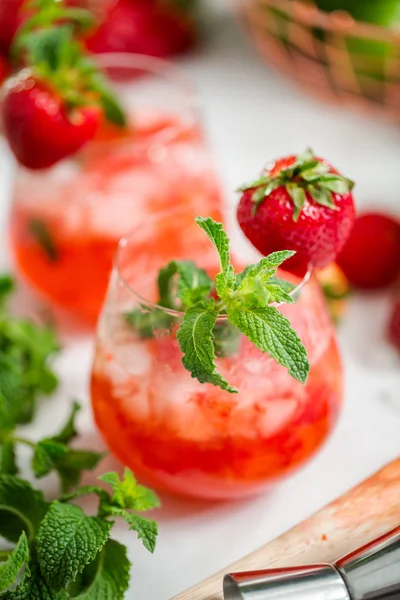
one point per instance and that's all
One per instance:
(38, 127)
(300, 203)
(3, 68)
(51, 110)
(394, 325)
(11, 17)
(152, 27)
(371, 257)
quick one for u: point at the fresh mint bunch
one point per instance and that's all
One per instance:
(25, 372)
(51, 454)
(217, 313)
(60, 552)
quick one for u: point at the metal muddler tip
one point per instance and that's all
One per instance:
(370, 573)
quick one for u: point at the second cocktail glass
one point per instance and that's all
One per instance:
(66, 221)
(197, 439)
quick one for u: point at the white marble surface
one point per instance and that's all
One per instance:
(252, 115)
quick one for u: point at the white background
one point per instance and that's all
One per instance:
(251, 115)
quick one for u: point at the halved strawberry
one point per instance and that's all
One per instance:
(37, 125)
(371, 257)
(153, 27)
(300, 203)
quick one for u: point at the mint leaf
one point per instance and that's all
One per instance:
(128, 493)
(148, 321)
(10, 569)
(45, 456)
(70, 466)
(219, 238)
(270, 331)
(195, 337)
(25, 352)
(21, 508)
(34, 587)
(225, 281)
(191, 284)
(7, 286)
(146, 529)
(279, 295)
(107, 578)
(67, 541)
(267, 266)
(86, 490)
(68, 431)
(42, 235)
(8, 464)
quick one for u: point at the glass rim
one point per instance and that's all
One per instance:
(164, 69)
(124, 241)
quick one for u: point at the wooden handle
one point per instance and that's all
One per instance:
(363, 514)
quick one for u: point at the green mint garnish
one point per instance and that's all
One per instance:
(55, 550)
(244, 300)
(305, 175)
(10, 569)
(41, 234)
(26, 349)
(195, 337)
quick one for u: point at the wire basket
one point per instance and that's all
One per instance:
(331, 55)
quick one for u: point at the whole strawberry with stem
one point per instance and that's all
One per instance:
(55, 105)
(299, 203)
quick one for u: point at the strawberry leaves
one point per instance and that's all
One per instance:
(306, 175)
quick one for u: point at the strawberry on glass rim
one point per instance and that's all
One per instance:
(299, 203)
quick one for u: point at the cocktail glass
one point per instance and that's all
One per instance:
(196, 439)
(66, 221)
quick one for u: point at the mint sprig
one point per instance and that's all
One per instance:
(305, 175)
(26, 350)
(64, 552)
(246, 301)
(51, 454)
(216, 313)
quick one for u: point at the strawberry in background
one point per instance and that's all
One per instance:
(370, 258)
(53, 106)
(159, 28)
(3, 68)
(11, 18)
